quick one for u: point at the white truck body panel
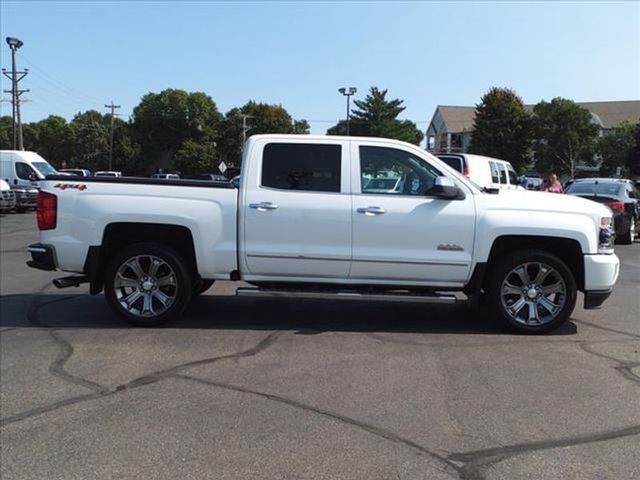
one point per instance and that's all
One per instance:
(321, 237)
(84, 215)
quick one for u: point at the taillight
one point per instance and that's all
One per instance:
(616, 206)
(465, 171)
(47, 211)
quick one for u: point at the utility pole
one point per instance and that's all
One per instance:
(245, 128)
(15, 76)
(113, 109)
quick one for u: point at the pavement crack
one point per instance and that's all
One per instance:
(48, 408)
(263, 344)
(444, 464)
(56, 367)
(607, 329)
(474, 462)
(139, 382)
(623, 367)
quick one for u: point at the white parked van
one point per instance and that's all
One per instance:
(23, 169)
(7, 197)
(484, 171)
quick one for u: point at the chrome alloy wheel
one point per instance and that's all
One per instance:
(145, 286)
(533, 293)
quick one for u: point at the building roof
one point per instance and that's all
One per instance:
(610, 114)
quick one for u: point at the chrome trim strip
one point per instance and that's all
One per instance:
(37, 249)
(404, 262)
(298, 257)
(255, 292)
(334, 259)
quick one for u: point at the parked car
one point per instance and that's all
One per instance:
(483, 171)
(24, 169)
(108, 173)
(620, 195)
(26, 197)
(531, 183)
(78, 172)
(304, 224)
(7, 197)
(207, 176)
(166, 176)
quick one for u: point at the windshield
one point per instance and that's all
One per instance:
(44, 168)
(595, 188)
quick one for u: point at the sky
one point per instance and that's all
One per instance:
(84, 54)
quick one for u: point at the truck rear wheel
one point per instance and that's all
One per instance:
(532, 291)
(148, 284)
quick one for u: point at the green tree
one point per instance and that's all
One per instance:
(614, 148)
(6, 133)
(194, 157)
(301, 127)
(163, 121)
(502, 128)
(633, 158)
(261, 118)
(91, 133)
(565, 135)
(376, 116)
(53, 138)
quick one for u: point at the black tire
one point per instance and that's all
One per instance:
(629, 236)
(168, 278)
(507, 276)
(201, 286)
(21, 209)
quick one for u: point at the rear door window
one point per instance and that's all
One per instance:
(453, 162)
(301, 166)
(495, 173)
(513, 178)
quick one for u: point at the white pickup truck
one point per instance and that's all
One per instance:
(304, 223)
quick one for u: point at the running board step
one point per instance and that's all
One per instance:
(347, 295)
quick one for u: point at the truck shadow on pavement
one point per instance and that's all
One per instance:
(220, 312)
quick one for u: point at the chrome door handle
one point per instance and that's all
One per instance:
(263, 206)
(371, 211)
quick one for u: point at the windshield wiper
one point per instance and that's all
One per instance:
(490, 190)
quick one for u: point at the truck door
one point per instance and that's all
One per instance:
(296, 211)
(406, 236)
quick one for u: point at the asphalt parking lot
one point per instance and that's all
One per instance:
(278, 389)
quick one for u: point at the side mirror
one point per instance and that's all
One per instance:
(445, 187)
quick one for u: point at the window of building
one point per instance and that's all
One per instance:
(301, 166)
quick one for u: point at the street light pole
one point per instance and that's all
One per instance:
(15, 44)
(347, 92)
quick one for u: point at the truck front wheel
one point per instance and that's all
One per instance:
(148, 284)
(532, 291)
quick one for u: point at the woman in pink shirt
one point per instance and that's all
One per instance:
(552, 185)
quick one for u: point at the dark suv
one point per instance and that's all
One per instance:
(620, 195)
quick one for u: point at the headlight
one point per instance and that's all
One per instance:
(607, 236)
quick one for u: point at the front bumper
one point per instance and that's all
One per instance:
(42, 257)
(594, 300)
(600, 275)
(26, 198)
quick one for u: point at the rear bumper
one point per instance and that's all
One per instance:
(42, 257)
